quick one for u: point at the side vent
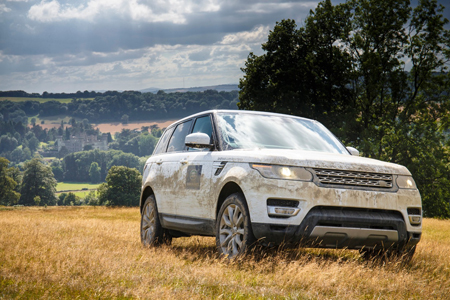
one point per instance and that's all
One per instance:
(218, 166)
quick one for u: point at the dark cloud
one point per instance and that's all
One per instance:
(113, 32)
(77, 43)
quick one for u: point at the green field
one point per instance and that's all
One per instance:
(75, 186)
(81, 194)
(41, 100)
(56, 120)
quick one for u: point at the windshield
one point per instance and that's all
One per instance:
(248, 131)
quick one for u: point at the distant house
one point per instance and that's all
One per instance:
(79, 141)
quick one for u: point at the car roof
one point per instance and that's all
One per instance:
(234, 111)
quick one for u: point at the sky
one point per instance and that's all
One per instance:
(77, 45)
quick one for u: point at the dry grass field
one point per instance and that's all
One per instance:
(87, 252)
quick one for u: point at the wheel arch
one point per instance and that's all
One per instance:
(148, 191)
(228, 189)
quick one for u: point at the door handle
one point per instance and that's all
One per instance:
(159, 162)
(183, 161)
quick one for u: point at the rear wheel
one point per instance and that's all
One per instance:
(152, 233)
(234, 235)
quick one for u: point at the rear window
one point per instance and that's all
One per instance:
(162, 145)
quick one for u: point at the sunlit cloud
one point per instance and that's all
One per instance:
(173, 11)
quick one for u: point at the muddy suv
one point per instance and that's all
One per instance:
(247, 177)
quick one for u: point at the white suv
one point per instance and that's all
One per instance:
(246, 176)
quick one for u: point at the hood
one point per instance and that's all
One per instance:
(313, 159)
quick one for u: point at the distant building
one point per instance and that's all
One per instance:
(79, 141)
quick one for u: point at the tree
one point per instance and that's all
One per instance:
(26, 154)
(38, 180)
(91, 199)
(347, 68)
(94, 172)
(8, 194)
(33, 143)
(16, 155)
(61, 198)
(147, 143)
(304, 71)
(124, 119)
(122, 187)
(7, 143)
(37, 200)
(70, 199)
(57, 169)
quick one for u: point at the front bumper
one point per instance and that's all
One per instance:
(335, 227)
(333, 217)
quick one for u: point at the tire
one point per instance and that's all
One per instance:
(234, 235)
(152, 233)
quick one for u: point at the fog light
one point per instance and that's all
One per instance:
(415, 220)
(276, 211)
(285, 211)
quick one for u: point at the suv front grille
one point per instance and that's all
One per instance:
(353, 178)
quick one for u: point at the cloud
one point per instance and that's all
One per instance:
(201, 55)
(173, 11)
(4, 9)
(66, 45)
(256, 35)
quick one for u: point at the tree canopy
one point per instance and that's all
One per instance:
(8, 193)
(122, 187)
(38, 180)
(375, 73)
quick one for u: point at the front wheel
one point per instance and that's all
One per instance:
(152, 233)
(234, 235)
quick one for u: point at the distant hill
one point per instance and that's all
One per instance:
(219, 88)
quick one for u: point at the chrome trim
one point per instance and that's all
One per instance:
(353, 178)
(340, 234)
(274, 211)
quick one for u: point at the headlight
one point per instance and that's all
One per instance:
(406, 182)
(282, 172)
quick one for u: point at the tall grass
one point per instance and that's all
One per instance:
(89, 252)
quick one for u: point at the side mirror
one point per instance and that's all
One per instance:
(198, 140)
(353, 151)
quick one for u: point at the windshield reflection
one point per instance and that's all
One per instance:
(247, 131)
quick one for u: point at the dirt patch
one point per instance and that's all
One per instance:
(117, 126)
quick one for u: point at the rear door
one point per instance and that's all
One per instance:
(172, 166)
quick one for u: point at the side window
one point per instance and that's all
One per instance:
(162, 145)
(203, 125)
(177, 140)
